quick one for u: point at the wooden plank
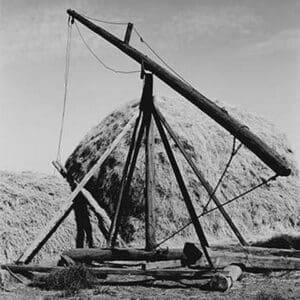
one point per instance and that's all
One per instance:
(183, 189)
(268, 155)
(64, 211)
(130, 254)
(201, 177)
(167, 273)
(103, 219)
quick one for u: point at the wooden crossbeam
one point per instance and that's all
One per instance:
(200, 176)
(64, 211)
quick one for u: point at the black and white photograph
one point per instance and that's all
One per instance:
(149, 149)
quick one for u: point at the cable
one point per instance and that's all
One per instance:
(66, 80)
(159, 57)
(234, 151)
(99, 60)
(104, 21)
(264, 182)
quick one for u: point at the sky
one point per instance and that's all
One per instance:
(244, 53)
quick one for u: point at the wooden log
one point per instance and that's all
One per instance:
(256, 250)
(104, 221)
(183, 189)
(201, 177)
(130, 254)
(268, 155)
(249, 261)
(223, 281)
(157, 273)
(64, 211)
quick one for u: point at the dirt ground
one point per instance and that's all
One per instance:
(276, 285)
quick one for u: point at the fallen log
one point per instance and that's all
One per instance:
(107, 254)
(162, 273)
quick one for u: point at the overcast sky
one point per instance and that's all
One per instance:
(245, 53)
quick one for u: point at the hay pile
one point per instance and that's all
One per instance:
(27, 202)
(270, 209)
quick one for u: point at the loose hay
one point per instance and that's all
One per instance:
(270, 209)
(27, 202)
(70, 280)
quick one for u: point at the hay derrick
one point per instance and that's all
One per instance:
(273, 208)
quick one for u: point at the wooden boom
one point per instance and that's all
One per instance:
(221, 116)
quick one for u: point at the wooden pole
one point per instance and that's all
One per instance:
(64, 211)
(201, 177)
(268, 155)
(183, 190)
(149, 199)
(147, 107)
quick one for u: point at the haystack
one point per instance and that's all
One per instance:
(273, 208)
(27, 202)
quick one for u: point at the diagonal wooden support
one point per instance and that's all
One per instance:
(103, 219)
(201, 177)
(123, 181)
(64, 211)
(183, 190)
(127, 182)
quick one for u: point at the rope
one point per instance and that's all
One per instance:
(66, 80)
(234, 151)
(264, 182)
(142, 40)
(104, 21)
(99, 60)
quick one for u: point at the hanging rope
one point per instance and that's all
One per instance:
(100, 60)
(234, 151)
(142, 40)
(264, 182)
(66, 80)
